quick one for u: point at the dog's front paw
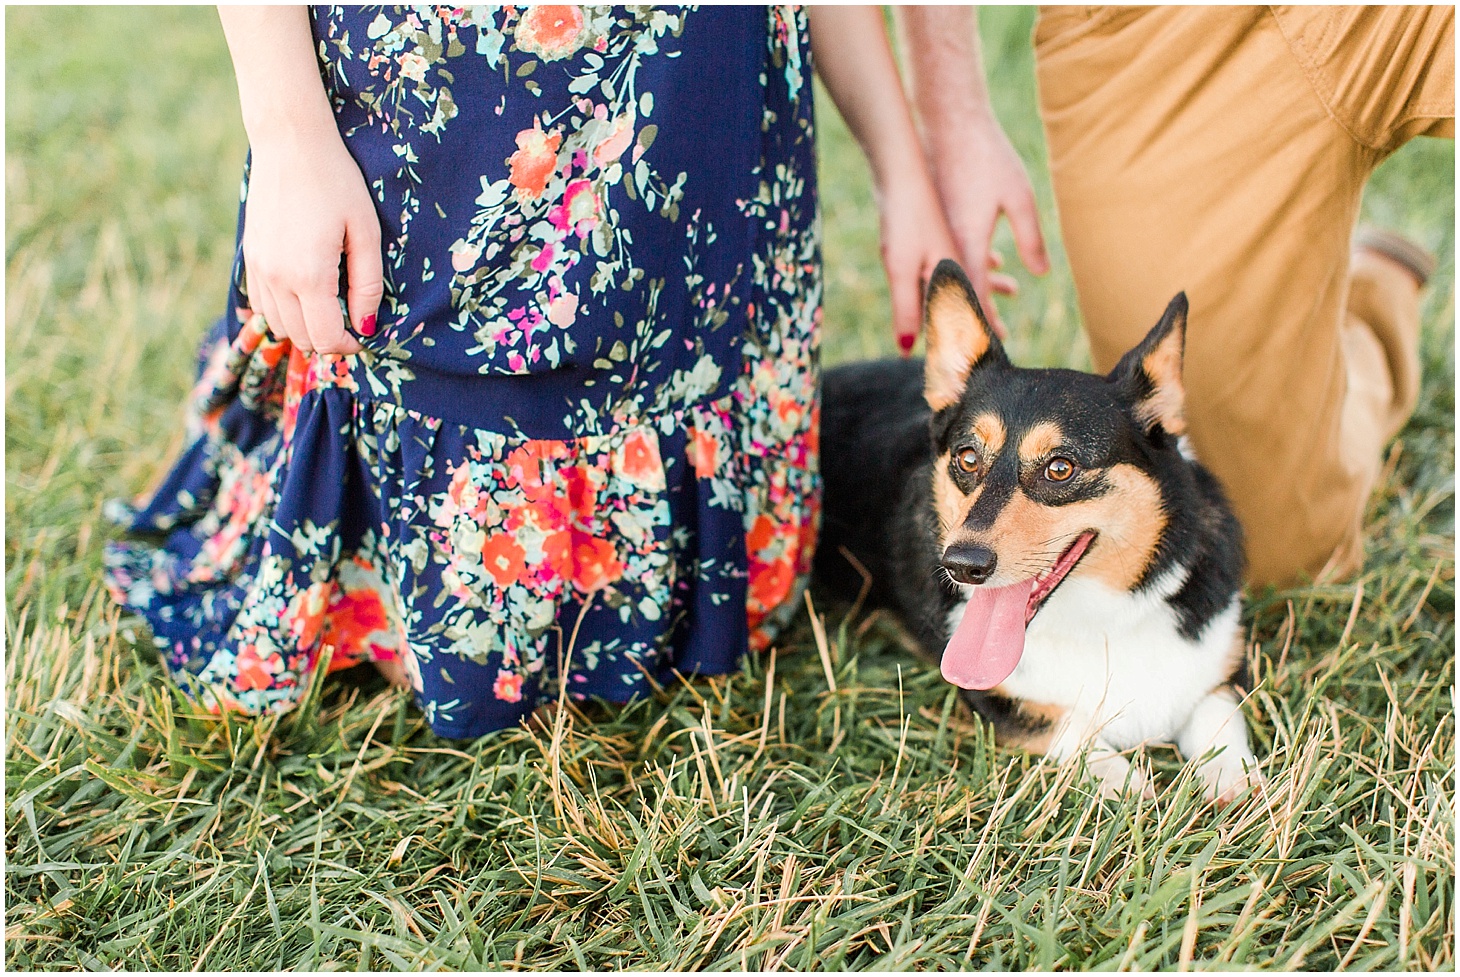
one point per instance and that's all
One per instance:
(1118, 776)
(1229, 775)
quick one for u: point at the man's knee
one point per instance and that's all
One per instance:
(1301, 521)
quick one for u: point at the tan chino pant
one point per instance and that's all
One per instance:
(1222, 151)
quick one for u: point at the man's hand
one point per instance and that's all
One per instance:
(976, 185)
(977, 174)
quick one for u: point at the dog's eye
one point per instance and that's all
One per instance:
(968, 461)
(1059, 469)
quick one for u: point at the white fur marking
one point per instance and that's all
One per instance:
(1117, 661)
(1216, 735)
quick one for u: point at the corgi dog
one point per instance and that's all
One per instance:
(1048, 537)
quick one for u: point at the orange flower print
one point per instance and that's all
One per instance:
(353, 616)
(531, 467)
(704, 453)
(762, 534)
(770, 583)
(295, 387)
(550, 31)
(503, 557)
(253, 672)
(557, 553)
(594, 564)
(534, 162)
(638, 460)
(508, 686)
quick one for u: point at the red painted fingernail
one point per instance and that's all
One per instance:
(367, 325)
(906, 343)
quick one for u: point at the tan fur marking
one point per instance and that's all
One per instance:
(1236, 658)
(1165, 404)
(1028, 537)
(1047, 717)
(1130, 519)
(949, 502)
(989, 429)
(956, 341)
(1040, 440)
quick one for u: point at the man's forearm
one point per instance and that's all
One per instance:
(944, 66)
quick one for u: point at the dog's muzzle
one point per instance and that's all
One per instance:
(969, 563)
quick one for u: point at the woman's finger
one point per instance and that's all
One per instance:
(262, 302)
(365, 284)
(286, 308)
(320, 306)
(905, 291)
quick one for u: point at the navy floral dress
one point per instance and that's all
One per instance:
(580, 451)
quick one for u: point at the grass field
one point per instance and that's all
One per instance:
(829, 807)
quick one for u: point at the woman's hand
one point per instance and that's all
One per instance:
(914, 239)
(855, 62)
(307, 204)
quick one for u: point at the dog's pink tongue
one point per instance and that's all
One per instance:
(990, 638)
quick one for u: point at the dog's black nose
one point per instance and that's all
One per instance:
(969, 563)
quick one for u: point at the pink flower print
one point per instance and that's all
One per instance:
(515, 362)
(456, 490)
(578, 211)
(545, 257)
(563, 310)
(508, 686)
(413, 66)
(614, 144)
(464, 256)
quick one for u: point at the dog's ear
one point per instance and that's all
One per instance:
(959, 338)
(1150, 374)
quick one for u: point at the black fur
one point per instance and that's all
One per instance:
(878, 475)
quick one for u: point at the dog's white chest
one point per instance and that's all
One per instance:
(1120, 659)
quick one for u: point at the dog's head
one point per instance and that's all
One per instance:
(1041, 475)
